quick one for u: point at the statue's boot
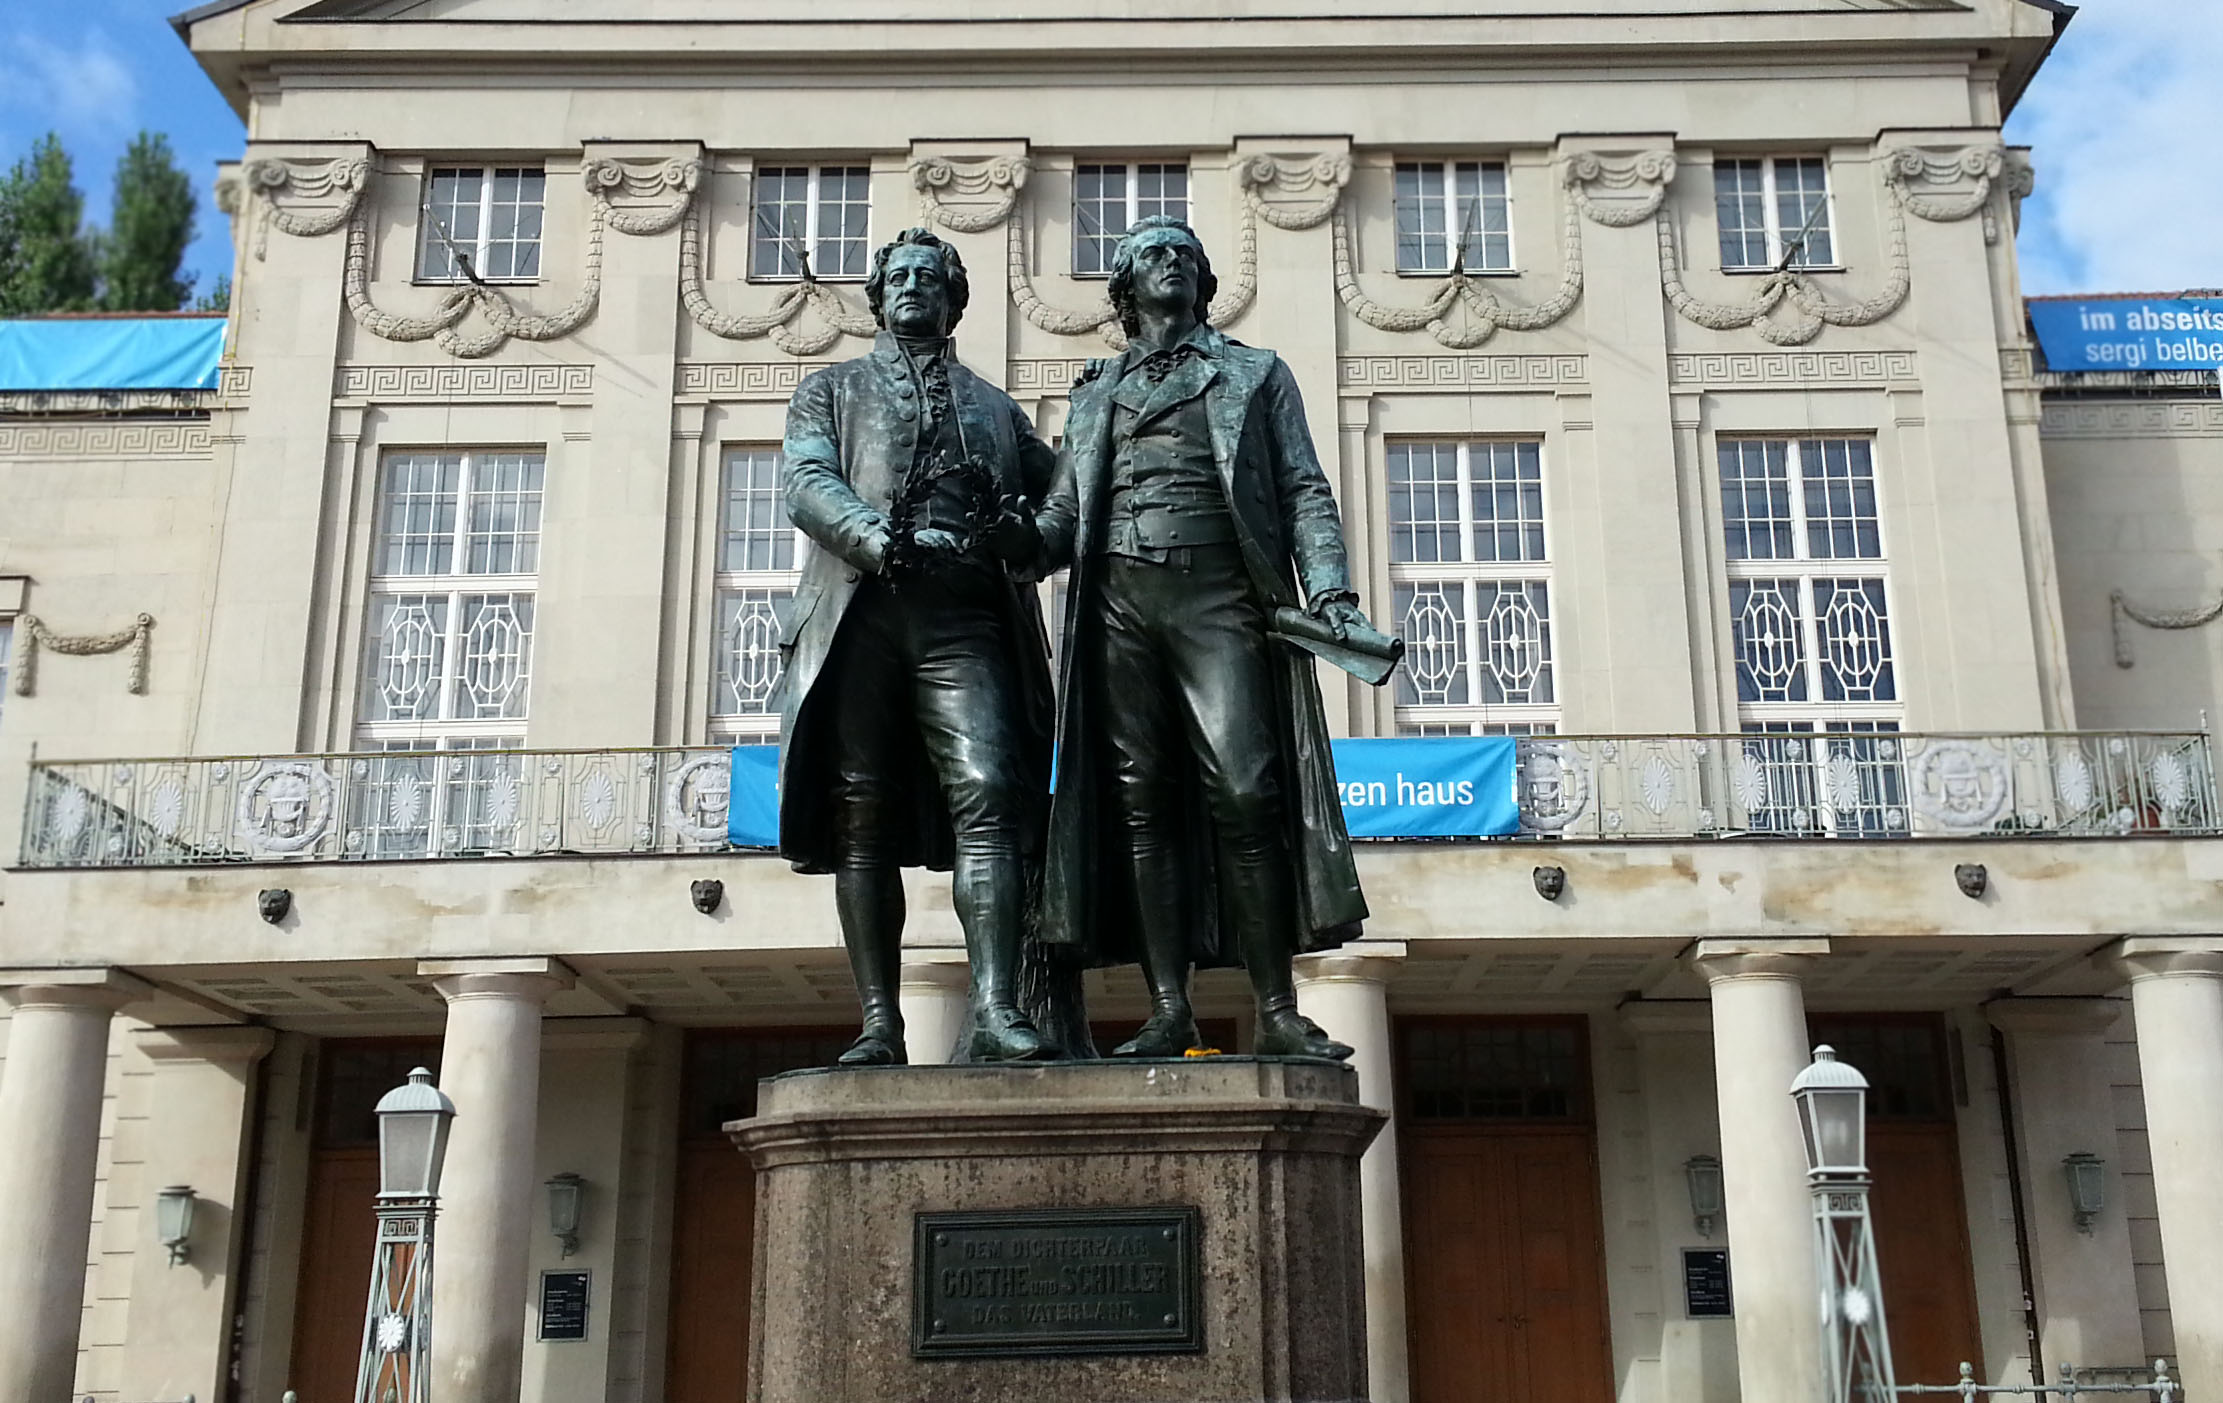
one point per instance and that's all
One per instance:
(990, 895)
(1288, 1033)
(1264, 892)
(869, 901)
(1169, 1032)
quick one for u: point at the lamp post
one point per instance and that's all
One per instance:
(1833, 1122)
(413, 1121)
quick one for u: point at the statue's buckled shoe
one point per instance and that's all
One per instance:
(1164, 1035)
(875, 1047)
(1004, 1035)
(1294, 1035)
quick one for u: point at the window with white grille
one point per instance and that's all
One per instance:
(1470, 582)
(483, 221)
(819, 212)
(453, 572)
(1773, 206)
(1108, 199)
(1450, 210)
(758, 557)
(1810, 624)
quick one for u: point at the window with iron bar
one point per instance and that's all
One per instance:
(488, 217)
(1769, 205)
(1109, 199)
(1447, 207)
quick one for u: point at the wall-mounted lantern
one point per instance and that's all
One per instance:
(1704, 1175)
(173, 1221)
(2087, 1187)
(565, 1191)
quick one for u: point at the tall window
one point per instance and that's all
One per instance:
(1453, 207)
(485, 219)
(7, 644)
(1810, 618)
(1773, 205)
(819, 211)
(757, 575)
(1471, 588)
(448, 661)
(1107, 200)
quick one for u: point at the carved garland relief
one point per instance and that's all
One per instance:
(1785, 308)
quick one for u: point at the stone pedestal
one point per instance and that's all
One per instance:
(1264, 1151)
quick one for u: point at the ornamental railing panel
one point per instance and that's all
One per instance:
(420, 805)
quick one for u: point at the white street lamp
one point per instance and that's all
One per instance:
(1832, 1102)
(173, 1221)
(413, 1121)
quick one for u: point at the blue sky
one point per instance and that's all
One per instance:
(2126, 118)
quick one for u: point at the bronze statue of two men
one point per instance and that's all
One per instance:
(1193, 818)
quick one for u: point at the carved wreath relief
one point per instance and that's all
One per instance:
(1788, 307)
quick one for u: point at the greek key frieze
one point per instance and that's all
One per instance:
(104, 440)
(463, 382)
(1769, 368)
(2135, 419)
(745, 379)
(1457, 373)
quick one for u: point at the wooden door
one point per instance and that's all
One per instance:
(1504, 1255)
(338, 1228)
(1917, 1203)
(714, 1206)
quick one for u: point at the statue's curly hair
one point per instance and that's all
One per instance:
(953, 274)
(1122, 288)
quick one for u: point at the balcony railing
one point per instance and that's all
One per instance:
(394, 806)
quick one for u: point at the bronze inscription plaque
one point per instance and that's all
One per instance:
(1082, 1281)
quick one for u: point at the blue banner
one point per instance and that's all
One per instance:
(1449, 787)
(753, 809)
(111, 353)
(2129, 333)
(1452, 787)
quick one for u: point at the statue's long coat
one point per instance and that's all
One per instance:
(846, 451)
(1292, 540)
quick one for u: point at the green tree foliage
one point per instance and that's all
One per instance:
(149, 229)
(217, 298)
(46, 260)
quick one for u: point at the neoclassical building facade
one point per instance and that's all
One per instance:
(375, 708)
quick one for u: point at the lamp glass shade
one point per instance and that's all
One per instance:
(564, 1192)
(1833, 1114)
(173, 1216)
(2087, 1183)
(413, 1122)
(1704, 1174)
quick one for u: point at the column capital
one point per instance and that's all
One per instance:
(941, 971)
(1361, 962)
(2142, 957)
(83, 986)
(1721, 960)
(532, 978)
(2055, 1018)
(227, 1043)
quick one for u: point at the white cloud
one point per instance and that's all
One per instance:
(81, 85)
(2124, 121)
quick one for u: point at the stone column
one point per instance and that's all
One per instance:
(197, 1130)
(1759, 1047)
(2176, 992)
(1347, 993)
(931, 990)
(2086, 1292)
(490, 1068)
(50, 1096)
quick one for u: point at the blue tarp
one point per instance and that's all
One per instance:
(2129, 333)
(110, 353)
(1452, 787)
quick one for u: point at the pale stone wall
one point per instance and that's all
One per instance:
(2136, 1182)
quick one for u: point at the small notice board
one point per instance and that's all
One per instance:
(1706, 1283)
(563, 1305)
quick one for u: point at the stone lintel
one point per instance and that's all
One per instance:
(2055, 1018)
(1667, 1017)
(593, 1034)
(223, 1043)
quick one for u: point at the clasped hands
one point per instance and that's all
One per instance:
(1012, 537)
